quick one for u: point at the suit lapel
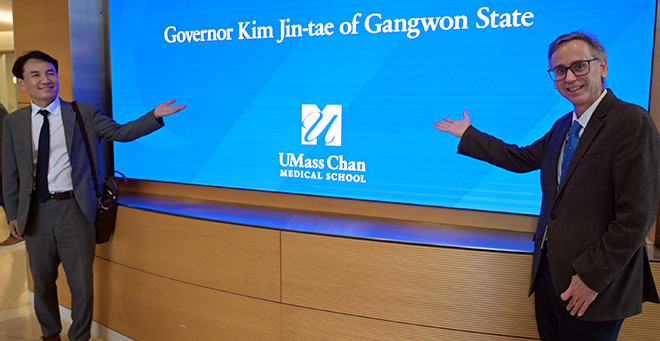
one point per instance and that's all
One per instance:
(69, 122)
(557, 144)
(25, 129)
(590, 133)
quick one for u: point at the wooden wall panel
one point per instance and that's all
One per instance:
(468, 290)
(145, 306)
(232, 258)
(645, 326)
(301, 324)
(44, 25)
(333, 288)
(654, 107)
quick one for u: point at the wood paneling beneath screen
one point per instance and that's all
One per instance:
(457, 289)
(301, 324)
(145, 306)
(152, 285)
(225, 257)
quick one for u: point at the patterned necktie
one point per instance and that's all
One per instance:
(569, 149)
(42, 159)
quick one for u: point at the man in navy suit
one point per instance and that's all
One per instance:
(600, 177)
(58, 222)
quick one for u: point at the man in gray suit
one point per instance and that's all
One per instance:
(600, 183)
(57, 221)
(11, 240)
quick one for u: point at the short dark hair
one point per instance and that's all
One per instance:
(19, 65)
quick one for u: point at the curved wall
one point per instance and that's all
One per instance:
(169, 277)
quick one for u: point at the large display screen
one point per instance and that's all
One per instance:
(338, 98)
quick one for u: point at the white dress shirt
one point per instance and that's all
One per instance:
(582, 120)
(59, 166)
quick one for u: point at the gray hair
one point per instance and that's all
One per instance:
(596, 48)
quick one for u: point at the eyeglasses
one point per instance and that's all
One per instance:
(579, 68)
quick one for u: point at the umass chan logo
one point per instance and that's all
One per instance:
(321, 124)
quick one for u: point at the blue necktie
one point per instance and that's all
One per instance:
(571, 144)
(43, 154)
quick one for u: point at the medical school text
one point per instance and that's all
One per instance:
(308, 168)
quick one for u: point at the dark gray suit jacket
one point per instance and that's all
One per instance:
(17, 159)
(597, 222)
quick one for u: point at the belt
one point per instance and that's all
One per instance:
(55, 196)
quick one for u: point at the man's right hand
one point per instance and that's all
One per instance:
(164, 109)
(456, 128)
(13, 227)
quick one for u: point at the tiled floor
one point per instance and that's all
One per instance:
(17, 319)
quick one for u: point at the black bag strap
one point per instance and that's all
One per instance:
(81, 125)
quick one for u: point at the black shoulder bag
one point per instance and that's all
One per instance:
(106, 210)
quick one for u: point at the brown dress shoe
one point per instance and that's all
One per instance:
(55, 337)
(11, 240)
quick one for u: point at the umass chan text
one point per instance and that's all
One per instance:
(310, 168)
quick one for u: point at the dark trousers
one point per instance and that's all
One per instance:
(556, 324)
(58, 232)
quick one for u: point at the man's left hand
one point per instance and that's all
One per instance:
(164, 109)
(580, 296)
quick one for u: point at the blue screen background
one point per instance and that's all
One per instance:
(245, 96)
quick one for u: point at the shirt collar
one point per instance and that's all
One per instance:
(586, 116)
(53, 108)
